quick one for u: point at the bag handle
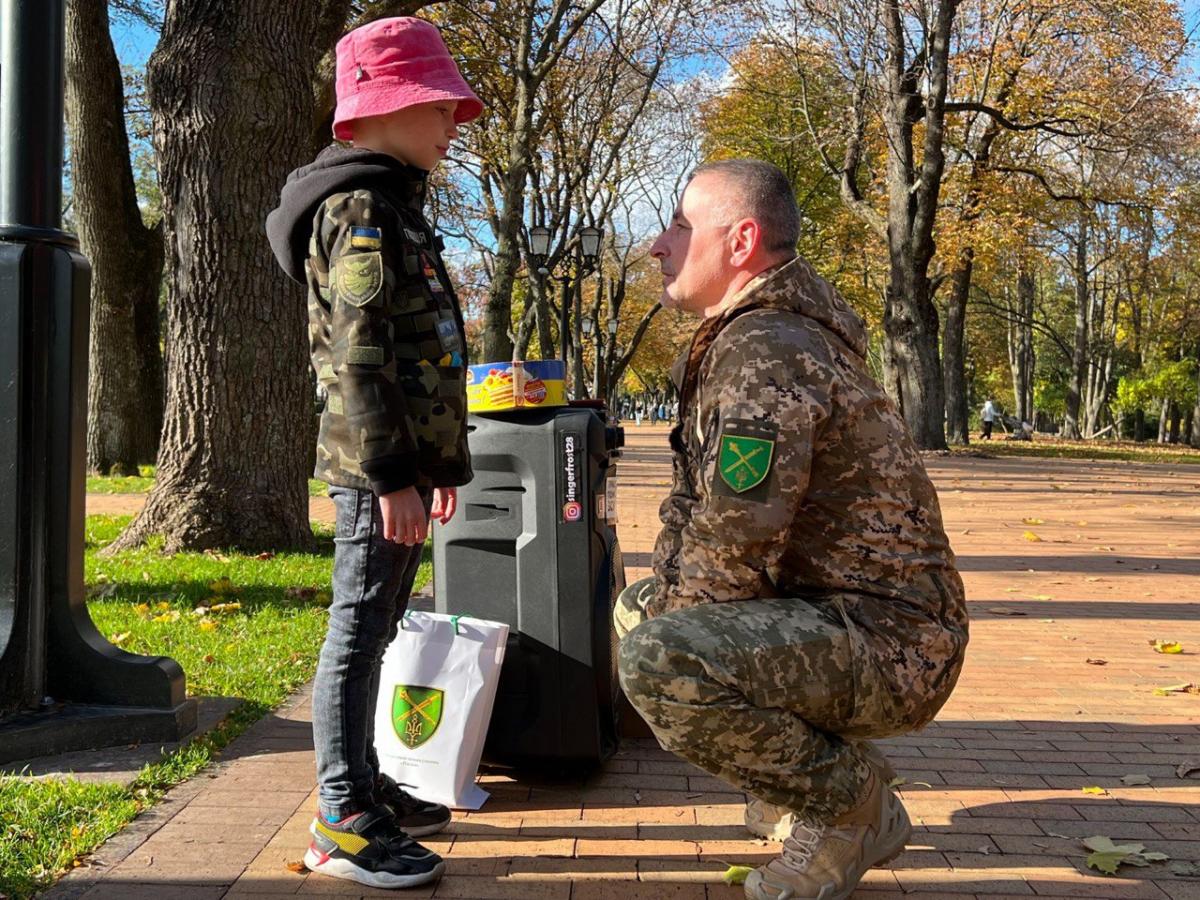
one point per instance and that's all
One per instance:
(453, 621)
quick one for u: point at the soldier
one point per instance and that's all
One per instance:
(387, 343)
(805, 597)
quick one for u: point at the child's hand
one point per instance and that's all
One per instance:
(445, 502)
(404, 519)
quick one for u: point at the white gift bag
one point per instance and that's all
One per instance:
(436, 691)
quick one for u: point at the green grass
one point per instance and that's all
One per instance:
(240, 626)
(122, 484)
(1052, 448)
(144, 480)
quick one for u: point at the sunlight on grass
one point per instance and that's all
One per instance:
(240, 626)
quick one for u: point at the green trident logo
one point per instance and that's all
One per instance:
(744, 461)
(416, 713)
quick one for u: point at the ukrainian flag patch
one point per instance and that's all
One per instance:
(365, 238)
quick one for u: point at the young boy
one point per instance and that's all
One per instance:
(387, 343)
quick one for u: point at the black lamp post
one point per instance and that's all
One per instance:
(585, 264)
(62, 685)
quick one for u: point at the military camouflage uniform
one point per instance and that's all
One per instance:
(805, 594)
(387, 342)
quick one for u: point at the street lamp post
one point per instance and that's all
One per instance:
(588, 252)
(62, 685)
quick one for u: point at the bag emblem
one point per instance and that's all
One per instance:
(416, 713)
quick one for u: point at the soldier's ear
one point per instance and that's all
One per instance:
(745, 237)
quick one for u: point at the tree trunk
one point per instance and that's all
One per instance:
(954, 350)
(125, 393)
(1176, 416)
(1162, 421)
(1139, 424)
(230, 93)
(910, 318)
(1194, 431)
(1071, 425)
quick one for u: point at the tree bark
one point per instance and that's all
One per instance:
(125, 392)
(1071, 425)
(230, 92)
(954, 350)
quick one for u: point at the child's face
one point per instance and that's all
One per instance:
(419, 135)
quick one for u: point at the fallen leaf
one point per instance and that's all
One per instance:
(226, 607)
(1041, 597)
(966, 531)
(298, 867)
(265, 556)
(1107, 856)
(736, 874)
(1065, 837)
(1096, 662)
(209, 625)
(1167, 691)
(1096, 790)
(1104, 549)
(1185, 869)
(119, 638)
(1005, 611)
(1033, 522)
(985, 849)
(1011, 590)
(1161, 646)
(1132, 780)
(1082, 523)
(222, 586)
(897, 781)
(209, 658)
(1093, 580)
(161, 605)
(1184, 769)
(141, 608)
(1030, 536)
(171, 616)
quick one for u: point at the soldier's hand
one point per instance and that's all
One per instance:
(445, 502)
(404, 519)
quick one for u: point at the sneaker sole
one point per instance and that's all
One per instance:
(417, 831)
(343, 868)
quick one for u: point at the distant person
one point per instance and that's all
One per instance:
(387, 340)
(989, 416)
(805, 598)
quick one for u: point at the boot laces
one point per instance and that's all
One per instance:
(800, 846)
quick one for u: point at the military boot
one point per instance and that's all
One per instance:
(826, 861)
(765, 820)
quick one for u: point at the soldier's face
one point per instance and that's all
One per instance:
(419, 135)
(694, 250)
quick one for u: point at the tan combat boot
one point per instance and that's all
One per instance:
(826, 862)
(774, 823)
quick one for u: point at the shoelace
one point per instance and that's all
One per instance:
(801, 844)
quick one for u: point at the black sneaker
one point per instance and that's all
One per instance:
(418, 817)
(371, 849)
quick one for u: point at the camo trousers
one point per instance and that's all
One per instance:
(771, 696)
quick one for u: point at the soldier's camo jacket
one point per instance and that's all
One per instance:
(845, 512)
(387, 342)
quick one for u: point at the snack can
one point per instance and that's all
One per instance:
(497, 387)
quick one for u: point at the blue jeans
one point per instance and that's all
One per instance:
(372, 580)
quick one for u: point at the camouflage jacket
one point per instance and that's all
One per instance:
(387, 342)
(794, 475)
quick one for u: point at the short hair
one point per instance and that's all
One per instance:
(760, 192)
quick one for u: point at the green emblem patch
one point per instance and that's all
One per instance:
(359, 277)
(416, 713)
(744, 461)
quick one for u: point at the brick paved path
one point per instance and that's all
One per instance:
(1107, 562)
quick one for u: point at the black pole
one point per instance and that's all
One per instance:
(62, 685)
(31, 112)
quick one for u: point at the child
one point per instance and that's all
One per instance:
(387, 343)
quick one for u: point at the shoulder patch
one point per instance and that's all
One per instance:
(363, 237)
(358, 277)
(745, 453)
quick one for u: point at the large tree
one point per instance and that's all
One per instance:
(125, 391)
(230, 87)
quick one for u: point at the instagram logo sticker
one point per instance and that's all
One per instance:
(572, 512)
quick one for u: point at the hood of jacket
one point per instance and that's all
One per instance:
(793, 286)
(336, 168)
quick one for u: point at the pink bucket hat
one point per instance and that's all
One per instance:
(389, 64)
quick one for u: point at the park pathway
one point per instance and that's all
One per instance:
(1072, 569)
